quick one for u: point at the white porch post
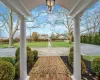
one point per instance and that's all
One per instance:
(77, 53)
(23, 57)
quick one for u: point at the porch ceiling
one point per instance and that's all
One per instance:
(68, 4)
(25, 6)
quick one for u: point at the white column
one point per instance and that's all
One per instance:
(77, 53)
(23, 57)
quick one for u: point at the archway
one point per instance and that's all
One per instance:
(76, 8)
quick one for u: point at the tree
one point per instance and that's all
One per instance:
(10, 21)
(91, 20)
(67, 22)
(12, 28)
(35, 36)
(69, 26)
(63, 20)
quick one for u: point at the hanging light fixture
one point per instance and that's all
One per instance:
(50, 5)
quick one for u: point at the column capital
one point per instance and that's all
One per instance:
(77, 16)
(21, 16)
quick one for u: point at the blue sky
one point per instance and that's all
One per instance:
(41, 20)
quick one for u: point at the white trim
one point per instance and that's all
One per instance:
(27, 78)
(17, 6)
(10, 6)
(74, 7)
(73, 78)
(81, 6)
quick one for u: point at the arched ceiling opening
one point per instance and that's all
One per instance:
(25, 6)
(31, 4)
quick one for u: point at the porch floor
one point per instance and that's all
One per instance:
(49, 68)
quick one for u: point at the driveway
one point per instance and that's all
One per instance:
(86, 49)
(57, 51)
(7, 52)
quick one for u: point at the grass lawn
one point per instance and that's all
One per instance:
(90, 58)
(61, 44)
(3, 45)
(40, 44)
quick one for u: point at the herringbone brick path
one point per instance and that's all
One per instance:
(49, 68)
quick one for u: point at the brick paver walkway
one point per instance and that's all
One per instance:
(49, 68)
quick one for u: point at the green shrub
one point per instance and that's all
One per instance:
(30, 58)
(7, 70)
(83, 67)
(96, 66)
(8, 59)
(71, 49)
(70, 58)
(35, 53)
(18, 52)
(17, 69)
(28, 48)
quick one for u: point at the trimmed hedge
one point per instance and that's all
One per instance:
(17, 69)
(18, 52)
(71, 49)
(83, 67)
(8, 59)
(30, 58)
(96, 66)
(35, 53)
(7, 70)
(70, 60)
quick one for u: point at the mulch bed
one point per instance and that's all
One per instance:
(90, 75)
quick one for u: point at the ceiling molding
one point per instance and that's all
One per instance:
(81, 7)
(17, 6)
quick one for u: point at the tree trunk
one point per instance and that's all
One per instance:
(70, 39)
(10, 41)
(11, 30)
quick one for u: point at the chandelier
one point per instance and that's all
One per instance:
(50, 5)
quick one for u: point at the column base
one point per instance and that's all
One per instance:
(27, 78)
(73, 78)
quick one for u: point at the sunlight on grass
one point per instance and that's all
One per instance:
(61, 44)
(3, 45)
(40, 44)
(34, 44)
